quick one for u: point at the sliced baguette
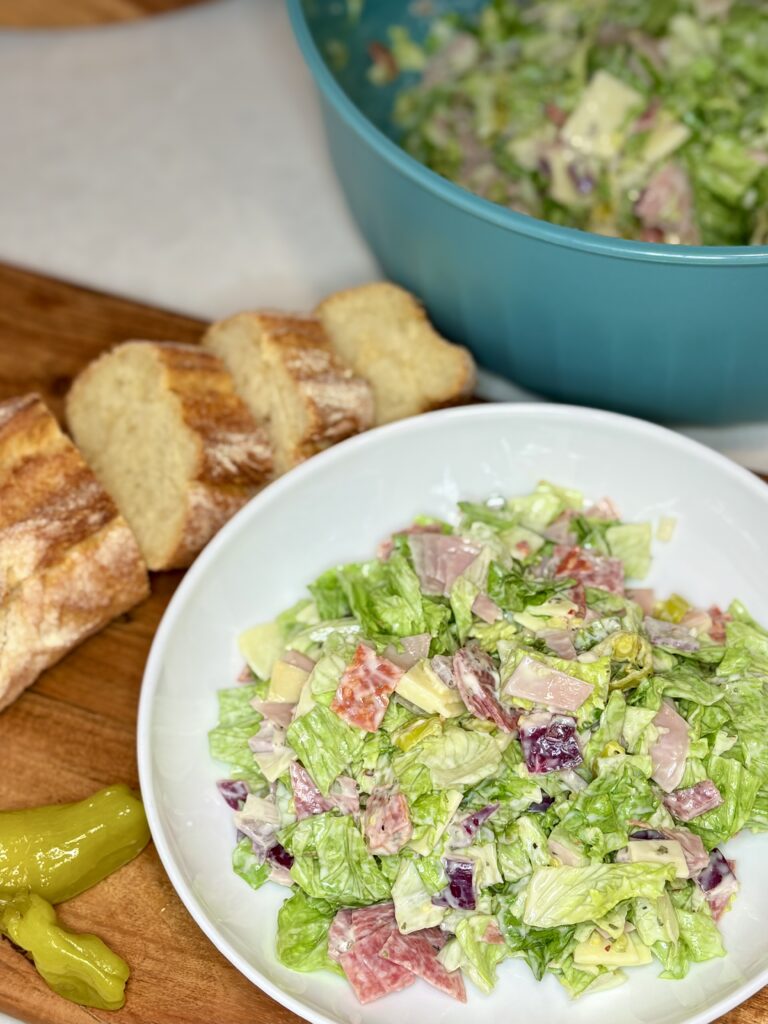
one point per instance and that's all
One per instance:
(166, 434)
(383, 333)
(288, 375)
(68, 561)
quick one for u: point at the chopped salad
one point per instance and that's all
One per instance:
(627, 118)
(487, 742)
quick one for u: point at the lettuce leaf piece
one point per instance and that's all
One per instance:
(488, 635)
(479, 958)
(537, 946)
(330, 599)
(566, 895)
(609, 728)
(746, 700)
(738, 788)
(463, 594)
(631, 542)
(228, 741)
(432, 873)
(325, 744)
(325, 677)
(514, 862)
(599, 815)
(430, 815)
(460, 758)
(302, 933)
(235, 705)
(412, 774)
(248, 866)
(578, 980)
(331, 861)
(414, 908)
(684, 682)
(515, 589)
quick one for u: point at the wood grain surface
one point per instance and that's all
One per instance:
(74, 730)
(73, 13)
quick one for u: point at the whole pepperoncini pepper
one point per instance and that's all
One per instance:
(79, 967)
(60, 850)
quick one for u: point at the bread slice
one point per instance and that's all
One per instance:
(286, 371)
(68, 561)
(383, 333)
(169, 439)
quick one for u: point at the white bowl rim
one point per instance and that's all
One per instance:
(273, 492)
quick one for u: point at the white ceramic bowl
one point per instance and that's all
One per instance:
(335, 508)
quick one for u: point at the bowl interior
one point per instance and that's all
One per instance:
(335, 508)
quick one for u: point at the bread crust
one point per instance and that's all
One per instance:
(455, 361)
(68, 561)
(336, 403)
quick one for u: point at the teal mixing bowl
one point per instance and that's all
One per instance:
(672, 333)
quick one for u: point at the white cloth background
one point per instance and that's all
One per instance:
(180, 161)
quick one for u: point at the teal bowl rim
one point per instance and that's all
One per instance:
(517, 223)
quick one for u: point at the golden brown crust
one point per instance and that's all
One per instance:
(336, 403)
(68, 561)
(234, 454)
(234, 449)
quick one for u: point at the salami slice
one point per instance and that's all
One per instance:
(363, 693)
(589, 569)
(386, 821)
(308, 800)
(477, 680)
(351, 925)
(370, 975)
(416, 954)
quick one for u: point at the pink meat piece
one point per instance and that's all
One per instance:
(486, 609)
(269, 738)
(696, 857)
(559, 530)
(362, 696)
(308, 800)
(667, 204)
(477, 679)
(416, 954)
(670, 750)
(550, 687)
(298, 660)
(442, 665)
(414, 649)
(351, 925)
(579, 598)
(492, 934)
(436, 937)
(559, 641)
(645, 597)
(719, 621)
(370, 975)
(687, 804)
(439, 559)
(386, 821)
(589, 569)
(603, 509)
(386, 547)
(276, 711)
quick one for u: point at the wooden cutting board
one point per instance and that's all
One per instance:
(74, 731)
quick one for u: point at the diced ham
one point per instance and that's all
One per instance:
(697, 620)
(559, 641)
(719, 620)
(269, 738)
(276, 711)
(718, 882)
(308, 800)
(667, 205)
(387, 546)
(670, 750)
(439, 559)
(386, 821)
(486, 609)
(687, 804)
(414, 649)
(492, 935)
(362, 696)
(579, 598)
(564, 854)
(645, 597)
(245, 675)
(536, 681)
(351, 925)
(675, 636)
(477, 679)
(559, 531)
(549, 742)
(369, 974)
(603, 509)
(416, 954)
(590, 569)
(298, 660)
